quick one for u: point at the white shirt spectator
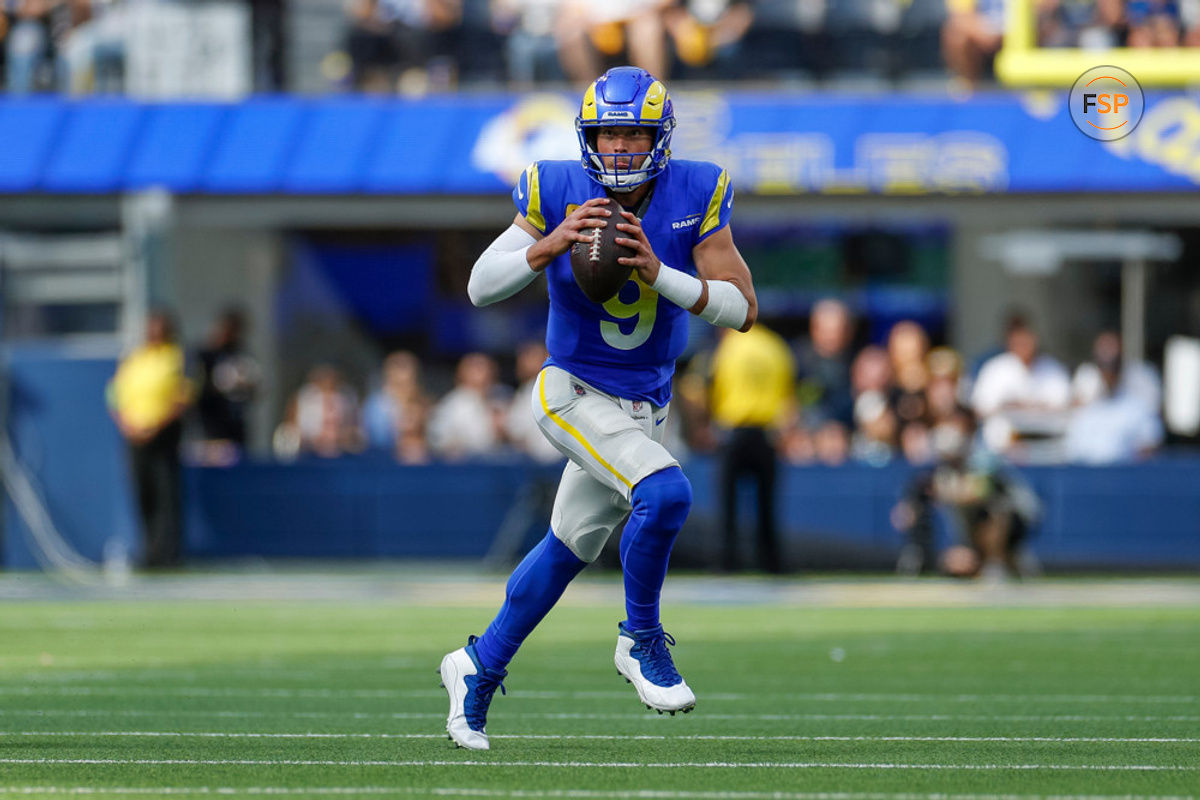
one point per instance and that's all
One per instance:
(523, 431)
(1112, 430)
(1005, 380)
(463, 425)
(1139, 380)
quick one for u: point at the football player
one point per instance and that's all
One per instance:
(604, 391)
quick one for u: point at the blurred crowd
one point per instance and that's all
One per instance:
(80, 46)
(899, 400)
(903, 399)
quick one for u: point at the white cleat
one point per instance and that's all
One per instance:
(643, 659)
(470, 686)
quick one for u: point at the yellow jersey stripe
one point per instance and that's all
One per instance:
(588, 110)
(713, 215)
(569, 428)
(656, 99)
(534, 214)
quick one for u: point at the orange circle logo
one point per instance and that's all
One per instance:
(1106, 103)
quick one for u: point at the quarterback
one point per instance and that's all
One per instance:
(604, 391)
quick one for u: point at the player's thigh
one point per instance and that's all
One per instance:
(586, 512)
(598, 432)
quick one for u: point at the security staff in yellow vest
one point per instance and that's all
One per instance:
(752, 397)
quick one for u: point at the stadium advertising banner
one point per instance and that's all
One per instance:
(772, 144)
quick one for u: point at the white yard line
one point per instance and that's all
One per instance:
(648, 794)
(601, 764)
(194, 691)
(610, 737)
(573, 715)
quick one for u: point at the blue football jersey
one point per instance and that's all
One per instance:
(626, 346)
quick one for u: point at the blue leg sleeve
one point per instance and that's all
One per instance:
(660, 505)
(535, 586)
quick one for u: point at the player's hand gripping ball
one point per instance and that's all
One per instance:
(595, 264)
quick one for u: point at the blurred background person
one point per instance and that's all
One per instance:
(753, 375)
(531, 44)
(823, 366)
(1022, 396)
(468, 421)
(1153, 23)
(321, 419)
(590, 35)
(1090, 24)
(395, 414)
(520, 427)
(1117, 417)
(907, 347)
(706, 37)
(971, 36)
(229, 380)
(27, 46)
(989, 510)
(147, 397)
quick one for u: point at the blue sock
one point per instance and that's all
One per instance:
(660, 505)
(535, 586)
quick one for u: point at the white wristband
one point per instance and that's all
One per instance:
(727, 307)
(677, 286)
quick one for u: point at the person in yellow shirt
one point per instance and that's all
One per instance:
(752, 398)
(147, 397)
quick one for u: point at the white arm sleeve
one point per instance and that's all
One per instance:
(502, 270)
(727, 307)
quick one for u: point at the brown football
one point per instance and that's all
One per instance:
(595, 264)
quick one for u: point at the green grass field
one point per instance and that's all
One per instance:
(161, 696)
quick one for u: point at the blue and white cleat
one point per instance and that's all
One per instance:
(643, 659)
(470, 686)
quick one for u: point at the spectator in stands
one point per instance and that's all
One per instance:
(1117, 418)
(1090, 24)
(991, 511)
(876, 429)
(531, 46)
(1021, 396)
(405, 44)
(831, 443)
(753, 375)
(371, 42)
(971, 36)
(1153, 23)
(520, 427)
(147, 398)
(875, 421)
(27, 46)
(91, 50)
(594, 33)
(706, 36)
(322, 418)
(229, 379)
(908, 346)
(823, 365)
(395, 414)
(468, 421)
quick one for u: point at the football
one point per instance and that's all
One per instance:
(595, 264)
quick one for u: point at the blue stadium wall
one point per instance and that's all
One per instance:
(1130, 517)
(477, 144)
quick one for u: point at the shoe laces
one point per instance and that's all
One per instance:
(482, 687)
(655, 659)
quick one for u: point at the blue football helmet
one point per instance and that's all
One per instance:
(631, 97)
